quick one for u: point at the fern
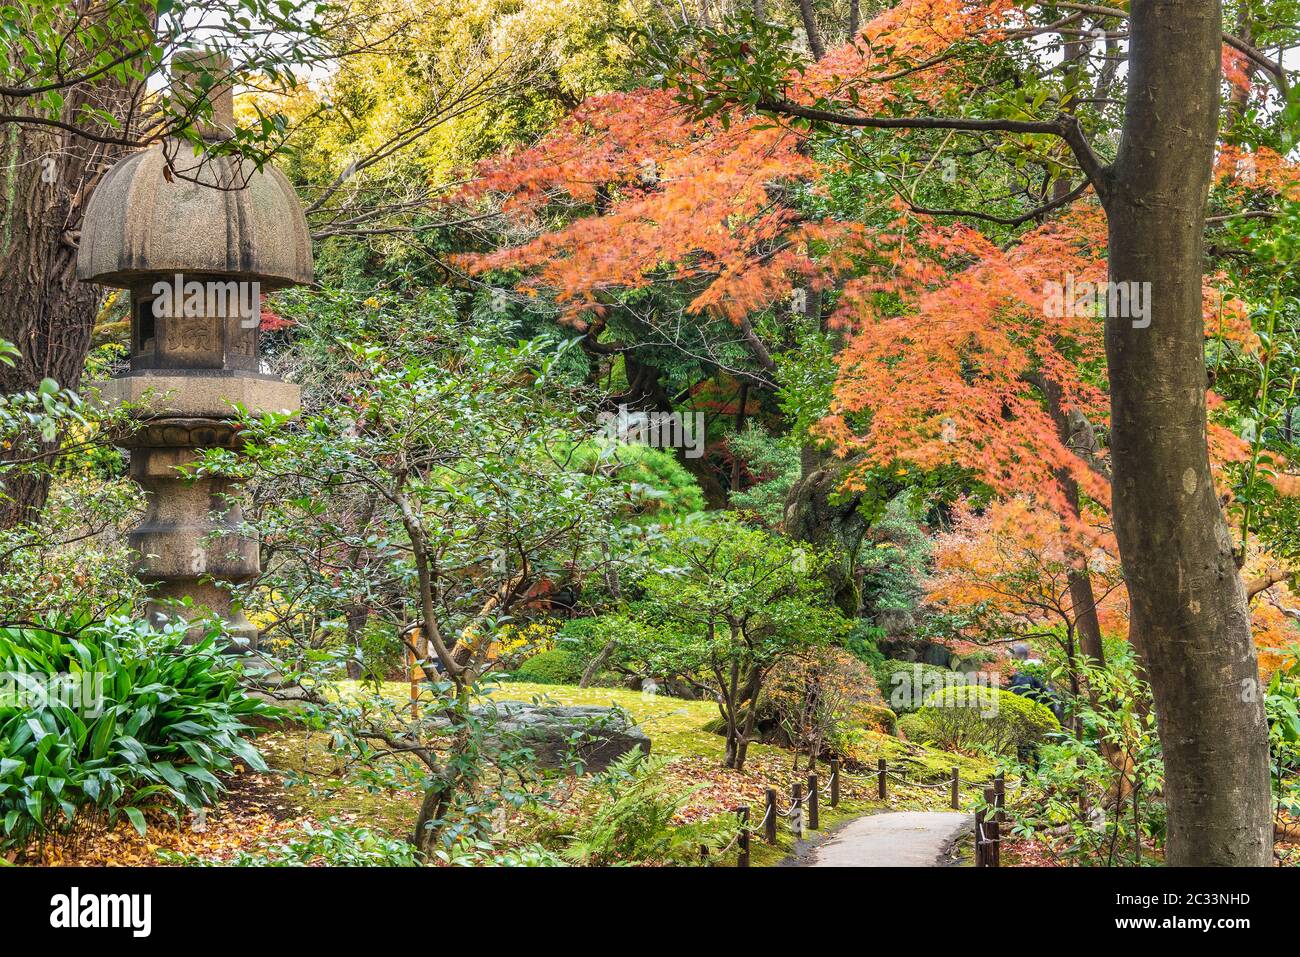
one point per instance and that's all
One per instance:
(633, 820)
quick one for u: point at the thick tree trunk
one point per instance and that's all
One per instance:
(1190, 619)
(45, 178)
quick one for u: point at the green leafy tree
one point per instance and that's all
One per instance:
(725, 603)
(434, 475)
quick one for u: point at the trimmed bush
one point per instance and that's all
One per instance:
(877, 717)
(972, 717)
(905, 684)
(140, 718)
(557, 667)
(913, 727)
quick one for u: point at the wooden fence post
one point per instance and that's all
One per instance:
(415, 673)
(995, 838)
(813, 822)
(956, 789)
(796, 818)
(979, 838)
(835, 782)
(742, 857)
(411, 665)
(769, 821)
(1000, 792)
(880, 776)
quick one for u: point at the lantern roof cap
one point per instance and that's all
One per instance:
(166, 210)
(219, 218)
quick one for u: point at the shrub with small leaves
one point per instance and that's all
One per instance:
(978, 717)
(905, 684)
(333, 844)
(557, 667)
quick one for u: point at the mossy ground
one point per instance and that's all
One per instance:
(322, 786)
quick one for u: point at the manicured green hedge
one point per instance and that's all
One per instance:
(557, 667)
(897, 680)
(913, 727)
(968, 717)
(878, 717)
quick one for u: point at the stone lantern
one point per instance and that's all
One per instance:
(195, 247)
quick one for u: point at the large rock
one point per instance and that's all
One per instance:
(559, 735)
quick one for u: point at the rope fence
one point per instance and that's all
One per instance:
(804, 811)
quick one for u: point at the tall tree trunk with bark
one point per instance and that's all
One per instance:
(1190, 620)
(1083, 600)
(815, 44)
(46, 176)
